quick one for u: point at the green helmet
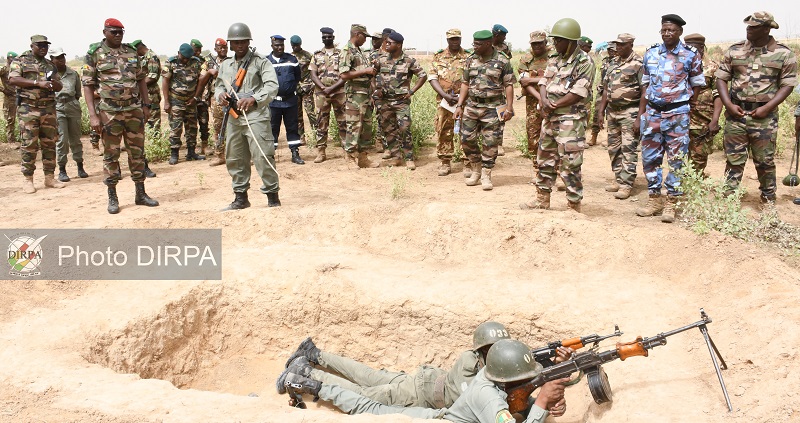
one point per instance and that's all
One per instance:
(510, 360)
(487, 333)
(567, 28)
(239, 31)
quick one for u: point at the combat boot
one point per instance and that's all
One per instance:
(486, 179)
(593, 139)
(173, 156)
(352, 159)
(273, 200)
(321, 157)
(613, 187)
(410, 165)
(27, 185)
(576, 207)
(306, 349)
(97, 150)
(142, 199)
(296, 159)
(50, 181)
(560, 184)
(444, 168)
(386, 154)
(393, 162)
(299, 366)
(81, 172)
(218, 160)
(364, 161)
(239, 202)
(379, 148)
(475, 176)
(62, 174)
(303, 385)
(668, 215)
(623, 193)
(541, 202)
(191, 155)
(467, 170)
(653, 207)
(500, 150)
(113, 201)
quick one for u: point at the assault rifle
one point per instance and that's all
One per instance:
(591, 363)
(545, 355)
(231, 107)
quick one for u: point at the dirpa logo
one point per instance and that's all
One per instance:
(25, 255)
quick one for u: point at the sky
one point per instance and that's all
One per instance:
(75, 24)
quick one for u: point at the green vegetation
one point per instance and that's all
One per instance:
(156, 144)
(398, 180)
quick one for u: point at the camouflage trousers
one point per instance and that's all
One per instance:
(759, 137)
(380, 134)
(218, 114)
(324, 107)
(182, 115)
(358, 120)
(701, 145)
(94, 137)
(622, 144)
(202, 122)
(127, 125)
(39, 131)
(154, 120)
(395, 119)
(10, 113)
(533, 124)
(560, 154)
(595, 124)
(241, 149)
(476, 122)
(306, 101)
(664, 134)
(444, 124)
(69, 138)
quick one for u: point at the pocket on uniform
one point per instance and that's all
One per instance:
(106, 65)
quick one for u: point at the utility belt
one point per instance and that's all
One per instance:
(181, 97)
(65, 100)
(748, 106)
(486, 100)
(119, 103)
(623, 105)
(438, 391)
(667, 107)
(36, 103)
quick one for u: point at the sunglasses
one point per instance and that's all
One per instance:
(116, 32)
(43, 45)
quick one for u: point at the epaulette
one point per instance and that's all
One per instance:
(440, 50)
(129, 46)
(693, 49)
(504, 54)
(172, 59)
(654, 46)
(93, 47)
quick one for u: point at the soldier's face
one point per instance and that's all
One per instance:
(376, 43)
(221, 49)
(561, 45)
(539, 48)
(296, 47)
(40, 49)
(755, 33)
(277, 48)
(671, 33)
(197, 51)
(624, 49)
(113, 36)
(240, 47)
(392, 46)
(60, 61)
(499, 37)
(482, 47)
(454, 43)
(327, 40)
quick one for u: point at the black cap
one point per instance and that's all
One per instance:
(326, 30)
(396, 37)
(387, 31)
(673, 18)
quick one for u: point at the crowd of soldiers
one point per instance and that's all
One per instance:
(666, 103)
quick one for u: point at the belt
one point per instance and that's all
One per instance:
(38, 103)
(120, 103)
(667, 107)
(66, 100)
(486, 100)
(181, 97)
(748, 106)
(622, 106)
(438, 391)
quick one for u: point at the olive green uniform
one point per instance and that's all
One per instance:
(68, 115)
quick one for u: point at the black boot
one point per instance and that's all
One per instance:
(239, 202)
(191, 155)
(142, 199)
(299, 366)
(173, 156)
(147, 172)
(796, 201)
(303, 385)
(113, 201)
(62, 174)
(307, 349)
(81, 173)
(296, 159)
(273, 200)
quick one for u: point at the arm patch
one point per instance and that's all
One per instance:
(504, 416)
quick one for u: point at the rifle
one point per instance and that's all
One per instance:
(591, 362)
(230, 108)
(545, 355)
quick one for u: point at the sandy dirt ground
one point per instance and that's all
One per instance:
(394, 283)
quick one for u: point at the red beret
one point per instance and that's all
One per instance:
(221, 42)
(113, 23)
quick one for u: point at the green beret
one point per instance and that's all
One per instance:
(196, 43)
(12, 54)
(135, 43)
(295, 39)
(482, 35)
(586, 40)
(186, 51)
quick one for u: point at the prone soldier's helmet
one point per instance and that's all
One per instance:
(509, 360)
(487, 333)
(239, 31)
(567, 28)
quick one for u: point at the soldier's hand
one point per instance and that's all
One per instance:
(637, 127)
(94, 122)
(451, 99)
(223, 98)
(547, 106)
(191, 102)
(167, 106)
(563, 354)
(246, 104)
(600, 122)
(369, 71)
(327, 91)
(761, 112)
(213, 72)
(508, 114)
(559, 408)
(146, 112)
(459, 111)
(736, 112)
(713, 128)
(551, 393)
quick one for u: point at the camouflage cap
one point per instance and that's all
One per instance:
(453, 33)
(482, 35)
(196, 43)
(612, 46)
(624, 38)
(694, 39)
(761, 18)
(39, 39)
(358, 28)
(538, 36)
(55, 52)
(135, 43)
(12, 54)
(377, 35)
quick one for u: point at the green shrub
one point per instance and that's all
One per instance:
(156, 144)
(423, 114)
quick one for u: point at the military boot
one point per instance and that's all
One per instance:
(50, 181)
(410, 165)
(173, 156)
(273, 200)
(239, 202)
(668, 215)
(386, 154)
(303, 385)
(541, 202)
(113, 201)
(191, 155)
(593, 139)
(623, 193)
(62, 173)
(321, 157)
(475, 176)
(653, 207)
(296, 159)
(613, 187)
(393, 162)
(81, 172)
(352, 159)
(574, 206)
(467, 170)
(444, 168)
(486, 179)
(299, 366)
(218, 160)
(27, 185)
(147, 172)
(142, 199)
(500, 150)
(560, 184)
(364, 161)
(306, 349)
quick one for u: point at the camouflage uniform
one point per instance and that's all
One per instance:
(504, 48)
(9, 103)
(564, 137)
(326, 64)
(531, 66)
(202, 106)
(756, 75)
(623, 87)
(305, 90)
(448, 69)
(358, 107)
(380, 134)
(487, 81)
(182, 85)
(114, 75)
(37, 113)
(393, 84)
(217, 110)
(68, 116)
(605, 64)
(701, 111)
(670, 76)
(153, 66)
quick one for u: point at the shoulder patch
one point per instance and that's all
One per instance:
(690, 48)
(504, 54)
(654, 46)
(440, 50)
(172, 59)
(93, 47)
(504, 416)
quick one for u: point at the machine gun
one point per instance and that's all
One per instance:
(231, 107)
(546, 354)
(591, 363)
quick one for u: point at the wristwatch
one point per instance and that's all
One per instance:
(147, 105)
